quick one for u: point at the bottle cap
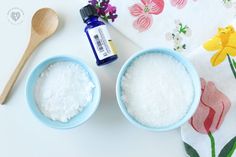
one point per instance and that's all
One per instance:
(88, 11)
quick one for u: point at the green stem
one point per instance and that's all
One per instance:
(232, 150)
(231, 65)
(213, 149)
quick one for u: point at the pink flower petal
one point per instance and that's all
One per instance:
(143, 22)
(212, 109)
(136, 9)
(156, 6)
(146, 2)
(178, 3)
(197, 120)
(203, 84)
(216, 100)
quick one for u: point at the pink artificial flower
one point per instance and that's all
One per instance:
(144, 13)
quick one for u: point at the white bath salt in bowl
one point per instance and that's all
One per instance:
(63, 90)
(157, 90)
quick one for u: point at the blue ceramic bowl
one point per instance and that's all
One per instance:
(83, 115)
(190, 69)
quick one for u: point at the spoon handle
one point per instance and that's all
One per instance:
(32, 45)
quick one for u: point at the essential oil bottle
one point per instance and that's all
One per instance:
(98, 36)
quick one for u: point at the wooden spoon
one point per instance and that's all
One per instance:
(44, 23)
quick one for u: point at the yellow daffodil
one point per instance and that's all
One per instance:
(225, 44)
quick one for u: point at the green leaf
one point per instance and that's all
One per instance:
(97, 5)
(228, 149)
(234, 63)
(190, 150)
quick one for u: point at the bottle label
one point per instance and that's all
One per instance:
(102, 42)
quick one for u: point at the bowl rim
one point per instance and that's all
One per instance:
(190, 69)
(32, 78)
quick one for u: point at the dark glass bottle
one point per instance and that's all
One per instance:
(98, 36)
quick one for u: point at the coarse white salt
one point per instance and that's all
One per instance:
(62, 91)
(157, 90)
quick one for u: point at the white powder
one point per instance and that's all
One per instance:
(157, 90)
(63, 90)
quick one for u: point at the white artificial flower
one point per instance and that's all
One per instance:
(177, 22)
(228, 3)
(169, 36)
(177, 38)
(188, 32)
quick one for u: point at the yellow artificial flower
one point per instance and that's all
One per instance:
(225, 42)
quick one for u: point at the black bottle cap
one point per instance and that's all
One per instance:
(88, 11)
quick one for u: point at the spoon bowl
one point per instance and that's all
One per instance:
(45, 22)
